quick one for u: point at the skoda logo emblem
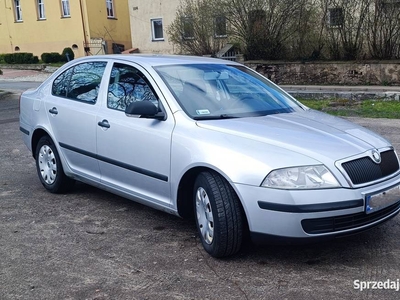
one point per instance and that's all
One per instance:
(376, 156)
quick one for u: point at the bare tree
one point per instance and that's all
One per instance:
(309, 38)
(263, 27)
(384, 30)
(346, 26)
(290, 29)
(198, 27)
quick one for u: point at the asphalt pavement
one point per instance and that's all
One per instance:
(90, 244)
(17, 81)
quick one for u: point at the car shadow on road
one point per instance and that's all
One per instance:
(350, 251)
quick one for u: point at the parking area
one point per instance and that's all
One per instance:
(89, 244)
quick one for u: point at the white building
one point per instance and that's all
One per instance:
(149, 21)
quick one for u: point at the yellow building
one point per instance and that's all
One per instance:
(89, 27)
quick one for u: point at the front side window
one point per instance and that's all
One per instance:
(213, 91)
(40, 9)
(127, 85)
(80, 82)
(157, 29)
(110, 8)
(65, 11)
(18, 11)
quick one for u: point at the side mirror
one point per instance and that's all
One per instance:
(144, 109)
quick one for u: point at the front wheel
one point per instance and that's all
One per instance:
(218, 215)
(49, 168)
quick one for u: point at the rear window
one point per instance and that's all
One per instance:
(80, 82)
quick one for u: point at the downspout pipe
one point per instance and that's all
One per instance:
(84, 29)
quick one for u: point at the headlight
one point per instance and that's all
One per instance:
(308, 177)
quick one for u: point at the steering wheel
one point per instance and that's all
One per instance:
(241, 101)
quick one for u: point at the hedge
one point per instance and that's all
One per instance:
(20, 58)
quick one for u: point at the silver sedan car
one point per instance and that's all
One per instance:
(209, 139)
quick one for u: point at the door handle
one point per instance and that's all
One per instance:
(104, 124)
(53, 111)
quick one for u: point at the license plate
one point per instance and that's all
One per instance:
(381, 200)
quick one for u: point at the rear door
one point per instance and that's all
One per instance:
(72, 109)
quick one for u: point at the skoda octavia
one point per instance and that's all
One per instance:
(210, 139)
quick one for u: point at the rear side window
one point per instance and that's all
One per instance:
(80, 82)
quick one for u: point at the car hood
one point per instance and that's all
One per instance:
(310, 133)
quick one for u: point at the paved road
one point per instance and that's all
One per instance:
(16, 86)
(23, 79)
(90, 244)
(15, 83)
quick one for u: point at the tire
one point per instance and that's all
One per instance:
(218, 214)
(49, 167)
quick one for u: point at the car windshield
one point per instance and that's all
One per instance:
(217, 91)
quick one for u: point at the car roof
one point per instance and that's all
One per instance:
(161, 60)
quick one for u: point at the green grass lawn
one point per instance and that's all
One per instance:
(352, 108)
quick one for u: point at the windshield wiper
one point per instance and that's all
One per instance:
(216, 117)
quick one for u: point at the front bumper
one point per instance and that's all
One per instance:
(312, 214)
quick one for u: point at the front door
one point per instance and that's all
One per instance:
(134, 153)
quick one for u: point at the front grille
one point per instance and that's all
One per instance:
(339, 223)
(364, 169)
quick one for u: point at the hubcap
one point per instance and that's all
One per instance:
(204, 215)
(47, 164)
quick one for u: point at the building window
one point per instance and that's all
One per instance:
(187, 28)
(40, 8)
(336, 17)
(65, 8)
(157, 30)
(220, 26)
(18, 11)
(389, 5)
(118, 48)
(110, 8)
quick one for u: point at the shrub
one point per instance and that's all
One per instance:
(45, 57)
(70, 53)
(51, 57)
(55, 57)
(20, 58)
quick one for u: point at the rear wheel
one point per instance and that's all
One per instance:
(49, 168)
(218, 215)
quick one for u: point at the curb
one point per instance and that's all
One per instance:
(324, 95)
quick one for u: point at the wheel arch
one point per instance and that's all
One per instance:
(185, 192)
(36, 136)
